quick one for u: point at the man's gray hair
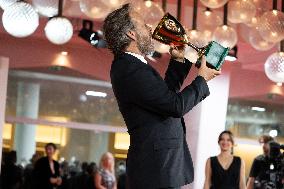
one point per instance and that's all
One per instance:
(115, 27)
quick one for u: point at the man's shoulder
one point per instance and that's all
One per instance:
(126, 66)
(128, 58)
(260, 158)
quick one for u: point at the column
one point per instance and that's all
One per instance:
(204, 124)
(4, 68)
(27, 106)
(77, 146)
(99, 144)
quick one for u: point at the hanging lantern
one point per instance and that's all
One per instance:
(6, 3)
(59, 30)
(198, 39)
(258, 42)
(261, 7)
(20, 19)
(271, 26)
(48, 8)
(226, 36)
(274, 67)
(241, 11)
(96, 9)
(195, 36)
(114, 4)
(160, 47)
(151, 12)
(214, 3)
(210, 21)
(254, 22)
(191, 54)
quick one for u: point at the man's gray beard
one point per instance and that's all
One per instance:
(145, 45)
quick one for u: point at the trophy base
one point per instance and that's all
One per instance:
(215, 55)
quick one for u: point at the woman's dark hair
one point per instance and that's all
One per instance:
(115, 27)
(51, 145)
(230, 135)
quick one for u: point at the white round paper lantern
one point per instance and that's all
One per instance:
(214, 3)
(6, 3)
(274, 67)
(191, 54)
(58, 30)
(20, 19)
(198, 39)
(258, 42)
(161, 48)
(96, 9)
(226, 36)
(150, 11)
(210, 21)
(114, 4)
(261, 7)
(241, 11)
(271, 26)
(48, 8)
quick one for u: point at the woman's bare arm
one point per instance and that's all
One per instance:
(242, 176)
(208, 173)
(98, 181)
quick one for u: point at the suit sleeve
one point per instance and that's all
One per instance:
(151, 92)
(176, 74)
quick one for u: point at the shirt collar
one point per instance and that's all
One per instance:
(140, 57)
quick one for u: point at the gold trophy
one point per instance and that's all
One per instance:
(169, 30)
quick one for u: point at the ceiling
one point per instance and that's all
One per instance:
(35, 53)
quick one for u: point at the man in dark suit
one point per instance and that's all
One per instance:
(152, 107)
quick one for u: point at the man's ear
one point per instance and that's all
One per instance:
(132, 35)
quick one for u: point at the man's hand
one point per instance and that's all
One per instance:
(53, 180)
(177, 53)
(59, 181)
(205, 72)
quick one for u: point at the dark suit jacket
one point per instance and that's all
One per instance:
(42, 173)
(152, 108)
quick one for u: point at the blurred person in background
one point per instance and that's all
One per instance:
(225, 171)
(260, 163)
(121, 181)
(80, 180)
(11, 174)
(46, 172)
(105, 177)
(92, 169)
(28, 172)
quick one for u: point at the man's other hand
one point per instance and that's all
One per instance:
(205, 72)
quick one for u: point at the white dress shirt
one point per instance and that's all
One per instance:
(140, 57)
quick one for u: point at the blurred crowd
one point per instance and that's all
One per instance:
(46, 173)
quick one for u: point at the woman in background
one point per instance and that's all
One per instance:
(105, 178)
(46, 171)
(225, 171)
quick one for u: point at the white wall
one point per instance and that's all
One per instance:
(204, 124)
(4, 68)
